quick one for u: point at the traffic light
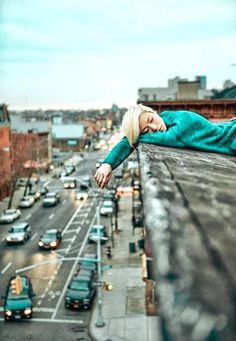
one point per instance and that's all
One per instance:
(107, 286)
(16, 285)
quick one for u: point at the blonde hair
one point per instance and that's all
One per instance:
(130, 122)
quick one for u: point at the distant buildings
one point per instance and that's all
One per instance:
(183, 89)
(5, 152)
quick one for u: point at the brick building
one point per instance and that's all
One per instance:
(5, 152)
(223, 109)
(29, 151)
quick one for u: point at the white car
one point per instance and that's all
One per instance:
(51, 199)
(10, 215)
(81, 194)
(106, 208)
(27, 201)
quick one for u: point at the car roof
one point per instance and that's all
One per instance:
(23, 224)
(10, 210)
(51, 231)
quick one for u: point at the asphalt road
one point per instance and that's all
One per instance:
(51, 321)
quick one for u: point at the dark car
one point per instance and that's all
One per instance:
(88, 263)
(19, 306)
(51, 199)
(80, 292)
(19, 233)
(97, 230)
(50, 240)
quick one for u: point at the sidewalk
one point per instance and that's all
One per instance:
(124, 307)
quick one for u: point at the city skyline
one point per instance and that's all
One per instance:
(80, 55)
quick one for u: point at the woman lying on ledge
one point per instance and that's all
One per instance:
(181, 129)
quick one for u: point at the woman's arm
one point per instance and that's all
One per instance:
(116, 156)
(119, 153)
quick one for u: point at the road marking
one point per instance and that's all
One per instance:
(32, 238)
(53, 321)
(28, 216)
(63, 202)
(67, 240)
(72, 271)
(39, 302)
(73, 239)
(6, 267)
(70, 231)
(3, 238)
(71, 219)
(51, 216)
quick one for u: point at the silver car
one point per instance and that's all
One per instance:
(27, 201)
(10, 215)
(19, 233)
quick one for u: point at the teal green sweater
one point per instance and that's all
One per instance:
(185, 129)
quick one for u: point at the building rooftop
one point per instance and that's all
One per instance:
(190, 208)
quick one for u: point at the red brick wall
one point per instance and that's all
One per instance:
(5, 160)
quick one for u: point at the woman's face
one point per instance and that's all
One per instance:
(150, 123)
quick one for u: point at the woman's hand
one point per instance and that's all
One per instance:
(103, 175)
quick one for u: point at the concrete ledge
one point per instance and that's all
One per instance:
(190, 209)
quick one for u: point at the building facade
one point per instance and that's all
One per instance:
(5, 152)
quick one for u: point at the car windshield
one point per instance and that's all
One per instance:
(107, 205)
(25, 199)
(79, 285)
(9, 212)
(49, 235)
(15, 229)
(50, 195)
(95, 230)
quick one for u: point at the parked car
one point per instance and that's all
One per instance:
(81, 194)
(26, 201)
(10, 215)
(80, 292)
(51, 199)
(88, 262)
(18, 233)
(99, 162)
(70, 168)
(106, 208)
(64, 173)
(51, 239)
(97, 230)
(35, 192)
(19, 306)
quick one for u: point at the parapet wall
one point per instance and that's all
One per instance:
(190, 208)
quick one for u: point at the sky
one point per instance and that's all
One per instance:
(80, 54)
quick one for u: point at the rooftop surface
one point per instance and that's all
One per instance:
(190, 209)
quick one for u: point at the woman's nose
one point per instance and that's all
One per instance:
(153, 127)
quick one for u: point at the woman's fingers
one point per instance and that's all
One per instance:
(103, 175)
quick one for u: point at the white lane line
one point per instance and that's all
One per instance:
(73, 239)
(67, 240)
(45, 310)
(53, 321)
(72, 271)
(70, 231)
(3, 238)
(39, 302)
(28, 216)
(51, 216)
(71, 219)
(63, 202)
(32, 238)
(6, 267)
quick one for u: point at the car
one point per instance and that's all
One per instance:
(50, 240)
(136, 185)
(106, 208)
(35, 192)
(19, 306)
(89, 262)
(43, 190)
(86, 182)
(27, 201)
(70, 168)
(10, 215)
(70, 183)
(97, 230)
(18, 233)
(64, 173)
(80, 292)
(51, 199)
(81, 194)
(118, 174)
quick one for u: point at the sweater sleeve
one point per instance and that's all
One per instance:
(167, 138)
(119, 153)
